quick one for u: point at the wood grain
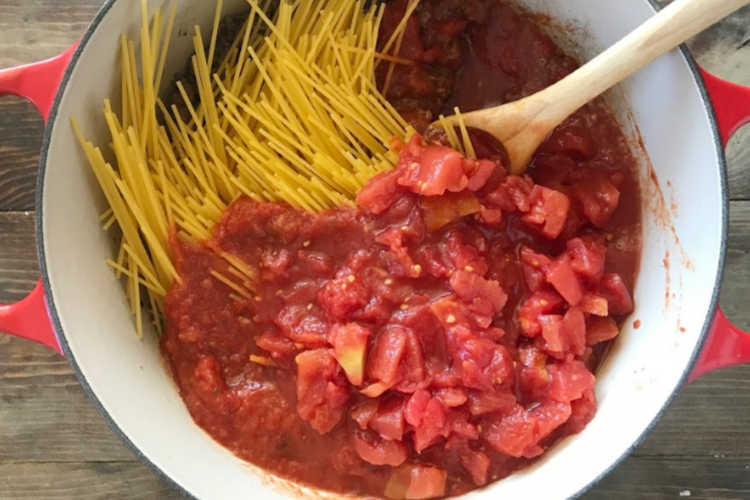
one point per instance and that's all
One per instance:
(81, 480)
(54, 444)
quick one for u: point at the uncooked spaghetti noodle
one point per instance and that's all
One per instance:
(292, 113)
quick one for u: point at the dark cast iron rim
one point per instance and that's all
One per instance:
(49, 130)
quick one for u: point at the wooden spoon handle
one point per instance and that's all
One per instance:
(673, 25)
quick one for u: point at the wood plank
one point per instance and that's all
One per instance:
(45, 413)
(655, 478)
(81, 481)
(724, 50)
(18, 265)
(19, 153)
(32, 30)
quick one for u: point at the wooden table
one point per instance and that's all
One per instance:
(54, 444)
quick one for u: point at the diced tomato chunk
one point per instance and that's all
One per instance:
(519, 433)
(574, 326)
(451, 397)
(582, 411)
(411, 373)
(552, 332)
(601, 329)
(561, 276)
(613, 288)
(426, 482)
(349, 344)
(435, 170)
(321, 394)
(364, 411)
(485, 297)
(511, 434)
(274, 343)
(378, 451)
(548, 211)
(548, 416)
(479, 172)
(593, 303)
(380, 192)
(483, 402)
(428, 418)
(539, 303)
(587, 257)
(534, 265)
(382, 364)
(598, 198)
(340, 296)
(449, 312)
(533, 378)
(570, 379)
(519, 190)
(389, 419)
(477, 464)
(301, 325)
(415, 407)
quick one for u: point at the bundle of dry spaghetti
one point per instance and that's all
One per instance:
(292, 113)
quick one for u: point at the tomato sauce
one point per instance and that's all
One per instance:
(443, 333)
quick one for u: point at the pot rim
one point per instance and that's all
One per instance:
(70, 357)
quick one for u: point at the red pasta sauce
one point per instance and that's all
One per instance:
(445, 332)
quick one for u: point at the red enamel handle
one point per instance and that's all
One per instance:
(726, 344)
(37, 82)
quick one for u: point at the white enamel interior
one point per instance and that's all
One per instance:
(127, 375)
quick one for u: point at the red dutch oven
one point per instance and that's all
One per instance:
(684, 117)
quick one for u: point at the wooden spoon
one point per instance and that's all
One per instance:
(522, 126)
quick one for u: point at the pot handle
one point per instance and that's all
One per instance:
(726, 345)
(37, 82)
